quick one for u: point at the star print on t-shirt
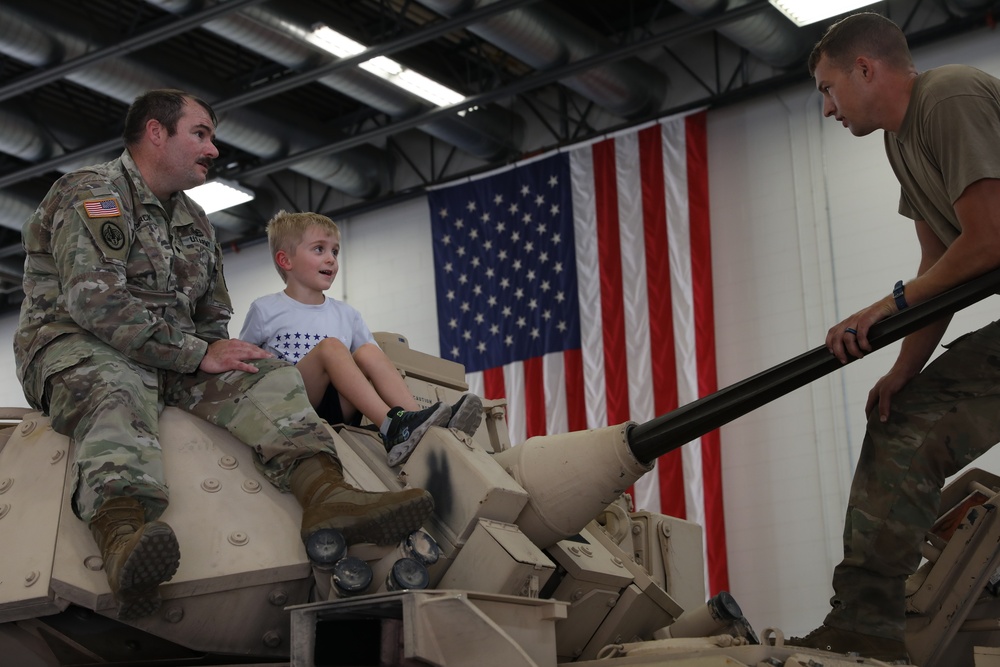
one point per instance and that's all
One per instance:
(292, 346)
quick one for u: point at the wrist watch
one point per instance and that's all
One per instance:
(898, 297)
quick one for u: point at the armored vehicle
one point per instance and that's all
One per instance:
(533, 556)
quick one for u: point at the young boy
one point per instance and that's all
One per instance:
(345, 372)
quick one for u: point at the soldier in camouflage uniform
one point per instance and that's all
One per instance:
(125, 312)
(942, 135)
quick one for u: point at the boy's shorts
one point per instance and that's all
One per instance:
(329, 408)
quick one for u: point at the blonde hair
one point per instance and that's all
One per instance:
(285, 231)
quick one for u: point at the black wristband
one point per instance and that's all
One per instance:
(897, 295)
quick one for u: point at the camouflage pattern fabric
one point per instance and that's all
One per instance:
(104, 257)
(110, 404)
(122, 299)
(939, 423)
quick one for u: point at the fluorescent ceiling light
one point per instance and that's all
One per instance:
(341, 46)
(219, 194)
(804, 12)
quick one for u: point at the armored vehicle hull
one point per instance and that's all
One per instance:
(533, 557)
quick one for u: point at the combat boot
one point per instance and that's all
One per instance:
(362, 516)
(836, 640)
(138, 556)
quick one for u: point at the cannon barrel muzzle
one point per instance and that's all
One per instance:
(666, 433)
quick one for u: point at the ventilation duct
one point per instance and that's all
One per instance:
(20, 137)
(14, 210)
(768, 34)
(23, 139)
(362, 172)
(545, 37)
(279, 35)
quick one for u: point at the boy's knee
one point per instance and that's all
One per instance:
(332, 347)
(370, 352)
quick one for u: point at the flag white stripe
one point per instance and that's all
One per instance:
(588, 277)
(513, 379)
(633, 258)
(477, 384)
(556, 419)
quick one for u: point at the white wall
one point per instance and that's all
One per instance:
(804, 233)
(10, 390)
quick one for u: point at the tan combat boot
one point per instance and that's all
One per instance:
(836, 640)
(138, 556)
(362, 516)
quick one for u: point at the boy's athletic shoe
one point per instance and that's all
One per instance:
(402, 430)
(467, 414)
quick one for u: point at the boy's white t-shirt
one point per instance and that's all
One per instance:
(289, 329)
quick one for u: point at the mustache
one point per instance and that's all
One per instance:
(206, 161)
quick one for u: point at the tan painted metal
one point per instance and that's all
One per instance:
(538, 558)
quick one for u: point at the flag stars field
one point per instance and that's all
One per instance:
(507, 252)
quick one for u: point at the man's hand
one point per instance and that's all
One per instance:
(231, 355)
(881, 394)
(849, 339)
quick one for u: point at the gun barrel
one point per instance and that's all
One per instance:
(666, 433)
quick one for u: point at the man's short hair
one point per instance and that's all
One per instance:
(285, 231)
(165, 105)
(866, 34)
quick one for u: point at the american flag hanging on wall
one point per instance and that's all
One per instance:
(578, 285)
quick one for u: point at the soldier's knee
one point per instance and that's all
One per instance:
(266, 366)
(81, 392)
(276, 375)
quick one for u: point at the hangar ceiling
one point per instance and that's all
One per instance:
(308, 131)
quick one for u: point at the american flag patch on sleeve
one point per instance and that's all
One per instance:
(102, 208)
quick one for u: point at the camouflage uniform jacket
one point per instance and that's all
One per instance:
(104, 257)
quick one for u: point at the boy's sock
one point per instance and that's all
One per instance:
(401, 431)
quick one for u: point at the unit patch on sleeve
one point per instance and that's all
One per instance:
(103, 217)
(112, 235)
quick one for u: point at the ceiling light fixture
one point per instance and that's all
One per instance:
(341, 46)
(804, 12)
(219, 194)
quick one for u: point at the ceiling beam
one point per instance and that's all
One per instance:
(264, 91)
(39, 78)
(523, 84)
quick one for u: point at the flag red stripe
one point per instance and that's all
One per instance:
(534, 397)
(612, 308)
(663, 363)
(701, 270)
(493, 383)
(576, 400)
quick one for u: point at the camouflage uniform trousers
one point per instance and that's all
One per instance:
(110, 405)
(940, 422)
